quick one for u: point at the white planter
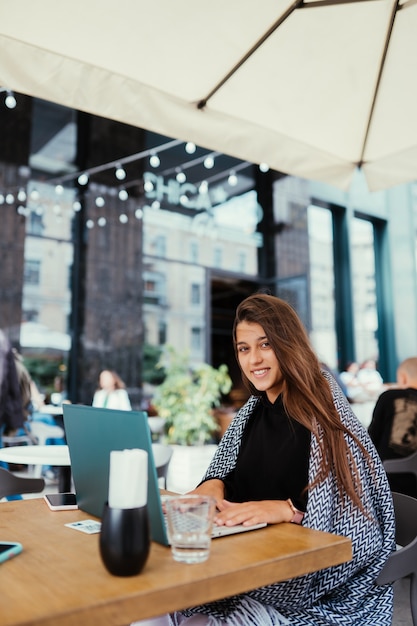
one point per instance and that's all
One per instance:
(187, 466)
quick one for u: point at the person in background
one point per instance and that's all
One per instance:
(295, 452)
(12, 416)
(370, 379)
(393, 428)
(350, 381)
(112, 392)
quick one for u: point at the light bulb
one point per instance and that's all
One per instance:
(155, 161)
(123, 219)
(76, 206)
(89, 224)
(203, 188)
(59, 190)
(209, 162)
(120, 173)
(264, 167)
(100, 201)
(9, 198)
(21, 196)
(190, 147)
(181, 177)
(156, 204)
(123, 195)
(83, 179)
(1, 198)
(139, 214)
(101, 221)
(232, 180)
(148, 186)
(10, 100)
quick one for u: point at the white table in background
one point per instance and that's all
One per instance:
(57, 456)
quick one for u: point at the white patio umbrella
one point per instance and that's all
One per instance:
(314, 88)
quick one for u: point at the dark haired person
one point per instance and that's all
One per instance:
(393, 428)
(295, 452)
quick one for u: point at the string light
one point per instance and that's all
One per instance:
(209, 162)
(123, 195)
(120, 173)
(21, 196)
(264, 167)
(232, 180)
(190, 147)
(154, 161)
(10, 100)
(181, 177)
(83, 179)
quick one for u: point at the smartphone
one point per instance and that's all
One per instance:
(9, 549)
(61, 501)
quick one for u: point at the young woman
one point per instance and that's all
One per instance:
(112, 392)
(296, 453)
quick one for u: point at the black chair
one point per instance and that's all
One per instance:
(12, 485)
(405, 465)
(403, 562)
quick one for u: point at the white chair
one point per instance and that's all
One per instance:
(162, 456)
(43, 431)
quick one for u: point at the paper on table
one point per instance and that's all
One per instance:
(128, 480)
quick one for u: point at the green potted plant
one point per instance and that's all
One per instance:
(187, 396)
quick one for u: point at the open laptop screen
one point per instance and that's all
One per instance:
(92, 433)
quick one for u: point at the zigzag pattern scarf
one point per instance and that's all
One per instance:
(346, 594)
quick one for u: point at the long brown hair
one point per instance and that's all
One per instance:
(306, 393)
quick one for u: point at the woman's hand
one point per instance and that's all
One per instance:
(213, 487)
(257, 512)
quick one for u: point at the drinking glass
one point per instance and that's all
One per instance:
(190, 521)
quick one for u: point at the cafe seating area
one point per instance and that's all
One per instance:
(163, 456)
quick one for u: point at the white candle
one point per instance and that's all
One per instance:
(128, 479)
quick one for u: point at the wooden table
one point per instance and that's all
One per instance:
(59, 579)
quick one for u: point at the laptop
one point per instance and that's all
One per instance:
(92, 433)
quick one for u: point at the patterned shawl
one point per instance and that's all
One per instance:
(344, 594)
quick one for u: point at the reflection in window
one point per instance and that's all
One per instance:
(323, 332)
(364, 289)
(32, 272)
(217, 256)
(241, 263)
(194, 251)
(34, 224)
(196, 338)
(195, 294)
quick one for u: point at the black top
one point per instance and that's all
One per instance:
(273, 458)
(393, 430)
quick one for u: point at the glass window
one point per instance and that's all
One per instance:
(195, 294)
(34, 224)
(194, 251)
(241, 262)
(364, 289)
(160, 246)
(32, 272)
(323, 331)
(196, 339)
(217, 256)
